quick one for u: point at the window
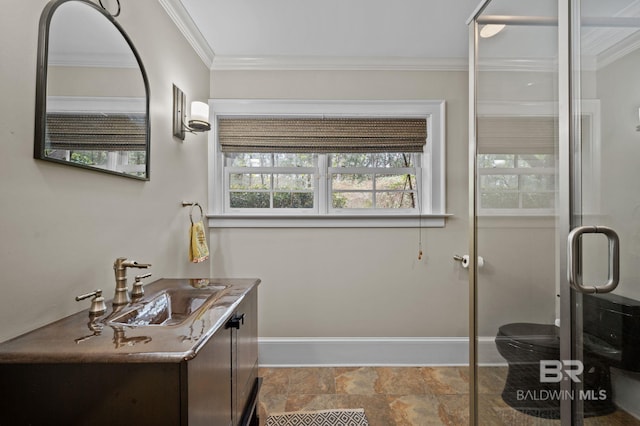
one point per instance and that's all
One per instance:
(287, 182)
(107, 133)
(262, 182)
(384, 181)
(522, 182)
(310, 163)
(517, 165)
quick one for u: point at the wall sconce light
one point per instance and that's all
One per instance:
(490, 30)
(199, 121)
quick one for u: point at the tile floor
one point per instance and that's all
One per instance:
(403, 396)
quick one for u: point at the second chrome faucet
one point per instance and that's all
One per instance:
(120, 266)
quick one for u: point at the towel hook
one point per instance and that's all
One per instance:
(193, 204)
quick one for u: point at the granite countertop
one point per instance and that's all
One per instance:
(77, 338)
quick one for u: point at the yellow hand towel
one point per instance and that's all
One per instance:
(198, 250)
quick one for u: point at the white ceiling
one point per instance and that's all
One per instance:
(339, 32)
(378, 34)
(353, 34)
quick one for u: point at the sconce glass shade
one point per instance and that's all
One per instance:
(490, 30)
(199, 116)
(199, 121)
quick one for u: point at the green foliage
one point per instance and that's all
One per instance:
(250, 200)
(252, 187)
(137, 157)
(281, 200)
(89, 157)
(381, 159)
(293, 200)
(257, 159)
(339, 201)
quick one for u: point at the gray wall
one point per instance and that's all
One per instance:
(357, 282)
(62, 227)
(361, 282)
(80, 81)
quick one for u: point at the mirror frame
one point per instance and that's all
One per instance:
(41, 88)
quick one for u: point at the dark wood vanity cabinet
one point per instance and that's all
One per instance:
(223, 378)
(208, 393)
(244, 356)
(218, 387)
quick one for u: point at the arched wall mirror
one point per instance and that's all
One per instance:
(92, 92)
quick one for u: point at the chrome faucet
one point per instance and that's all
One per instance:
(120, 267)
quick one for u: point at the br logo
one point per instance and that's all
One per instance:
(554, 371)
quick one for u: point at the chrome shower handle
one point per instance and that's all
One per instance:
(575, 253)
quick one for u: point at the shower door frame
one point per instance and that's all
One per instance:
(568, 191)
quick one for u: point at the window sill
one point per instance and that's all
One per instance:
(544, 221)
(333, 221)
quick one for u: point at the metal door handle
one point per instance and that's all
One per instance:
(574, 258)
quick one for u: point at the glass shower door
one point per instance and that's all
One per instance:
(515, 176)
(555, 208)
(604, 243)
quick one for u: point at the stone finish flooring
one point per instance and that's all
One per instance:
(401, 396)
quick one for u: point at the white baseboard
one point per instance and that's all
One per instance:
(365, 351)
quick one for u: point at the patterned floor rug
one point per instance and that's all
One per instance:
(354, 417)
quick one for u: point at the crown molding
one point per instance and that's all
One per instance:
(518, 64)
(179, 15)
(620, 50)
(336, 63)
(601, 46)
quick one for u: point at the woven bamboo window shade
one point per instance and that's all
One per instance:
(96, 132)
(517, 135)
(321, 135)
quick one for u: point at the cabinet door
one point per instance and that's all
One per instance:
(245, 353)
(209, 376)
(96, 394)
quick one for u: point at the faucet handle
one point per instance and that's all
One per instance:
(121, 263)
(98, 306)
(138, 290)
(136, 264)
(141, 277)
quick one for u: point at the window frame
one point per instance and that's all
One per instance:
(374, 171)
(116, 161)
(227, 171)
(591, 154)
(432, 184)
(519, 172)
